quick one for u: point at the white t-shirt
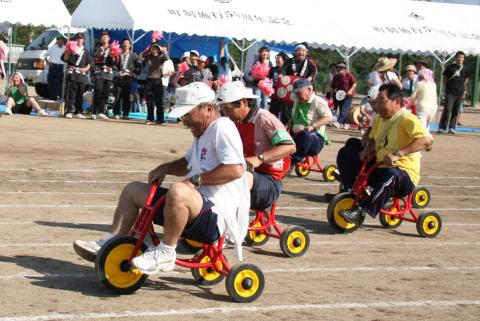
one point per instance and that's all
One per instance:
(390, 76)
(54, 54)
(221, 144)
(374, 79)
(167, 68)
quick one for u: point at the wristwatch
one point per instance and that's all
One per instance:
(196, 180)
(397, 153)
(261, 157)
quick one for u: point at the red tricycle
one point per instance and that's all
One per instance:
(294, 240)
(244, 282)
(311, 164)
(428, 224)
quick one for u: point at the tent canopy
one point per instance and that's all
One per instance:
(35, 12)
(369, 25)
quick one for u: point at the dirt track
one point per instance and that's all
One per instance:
(60, 180)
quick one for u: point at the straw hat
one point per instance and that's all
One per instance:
(384, 64)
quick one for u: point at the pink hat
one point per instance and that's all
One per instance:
(426, 74)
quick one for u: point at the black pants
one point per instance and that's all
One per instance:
(450, 112)
(123, 91)
(154, 93)
(55, 81)
(386, 183)
(308, 143)
(74, 99)
(101, 90)
(283, 111)
(349, 162)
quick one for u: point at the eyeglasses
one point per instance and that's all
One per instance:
(188, 116)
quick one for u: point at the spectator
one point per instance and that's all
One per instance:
(78, 64)
(154, 60)
(212, 66)
(309, 119)
(207, 75)
(343, 90)
(456, 79)
(168, 69)
(102, 78)
(126, 66)
(373, 79)
(18, 101)
(55, 68)
(300, 65)
(384, 67)
(224, 71)
(277, 107)
(425, 95)
(259, 71)
(193, 74)
(327, 82)
(421, 65)
(409, 82)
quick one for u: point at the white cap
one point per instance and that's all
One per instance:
(186, 54)
(203, 58)
(189, 97)
(195, 52)
(234, 91)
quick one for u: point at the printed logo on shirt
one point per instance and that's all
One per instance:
(203, 154)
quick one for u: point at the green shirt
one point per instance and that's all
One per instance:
(17, 96)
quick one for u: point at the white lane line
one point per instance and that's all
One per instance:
(40, 170)
(59, 193)
(231, 309)
(26, 276)
(275, 244)
(287, 208)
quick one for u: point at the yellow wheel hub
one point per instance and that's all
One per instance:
(302, 170)
(344, 204)
(209, 274)
(421, 198)
(390, 219)
(257, 236)
(291, 239)
(113, 263)
(426, 223)
(241, 277)
(330, 171)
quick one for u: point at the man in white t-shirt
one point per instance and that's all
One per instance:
(55, 68)
(211, 201)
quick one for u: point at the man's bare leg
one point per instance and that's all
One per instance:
(132, 198)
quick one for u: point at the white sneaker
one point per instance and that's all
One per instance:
(80, 116)
(42, 113)
(8, 112)
(88, 250)
(93, 117)
(68, 116)
(116, 116)
(102, 117)
(154, 260)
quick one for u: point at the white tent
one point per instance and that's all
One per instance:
(373, 25)
(35, 12)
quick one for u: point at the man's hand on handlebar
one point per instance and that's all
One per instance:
(158, 174)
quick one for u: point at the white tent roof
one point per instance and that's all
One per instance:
(35, 12)
(373, 25)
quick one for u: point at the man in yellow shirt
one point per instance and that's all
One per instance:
(396, 139)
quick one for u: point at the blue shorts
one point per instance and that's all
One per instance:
(265, 191)
(203, 228)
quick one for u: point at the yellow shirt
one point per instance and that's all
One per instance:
(402, 129)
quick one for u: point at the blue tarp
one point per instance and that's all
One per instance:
(208, 46)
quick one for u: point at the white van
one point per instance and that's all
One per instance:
(31, 63)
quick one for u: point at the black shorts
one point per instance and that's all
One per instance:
(22, 109)
(265, 191)
(203, 229)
